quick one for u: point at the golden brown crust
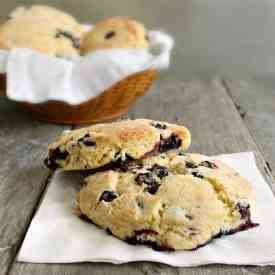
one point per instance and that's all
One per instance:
(172, 200)
(101, 144)
(42, 28)
(115, 32)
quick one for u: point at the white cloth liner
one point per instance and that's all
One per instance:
(35, 78)
(57, 236)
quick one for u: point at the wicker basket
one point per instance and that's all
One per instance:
(111, 104)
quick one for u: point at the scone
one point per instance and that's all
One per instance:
(170, 202)
(115, 32)
(109, 144)
(43, 29)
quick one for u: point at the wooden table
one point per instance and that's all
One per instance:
(224, 116)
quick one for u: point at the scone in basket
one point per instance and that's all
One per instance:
(97, 86)
(110, 104)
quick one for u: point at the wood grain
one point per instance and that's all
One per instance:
(205, 107)
(22, 175)
(255, 102)
(216, 127)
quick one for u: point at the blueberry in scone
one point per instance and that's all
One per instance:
(115, 32)
(114, 144)
(44, 29)
(65, 34)
(164, 204)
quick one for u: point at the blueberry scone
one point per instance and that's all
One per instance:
(172, 201)
(115, 32)
(109, 144)
(42, 28)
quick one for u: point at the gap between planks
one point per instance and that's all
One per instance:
(45, 186)
(242, 114)
(187, 94)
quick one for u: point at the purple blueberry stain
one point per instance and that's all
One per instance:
(152, 188)
(189, 217)
(109, 232)
(172, 142)
(54, 156)
(146, 178)
(140, 203)
(208, 164)
(164, 145)
(109, 34)
(244, 210)
(150, 181)
(159, 125)
(75, 41)
(86, 140)
(197, 174)
(130, 166)
(140, 237)
(160, 171)
(191, 165)
(108, 196)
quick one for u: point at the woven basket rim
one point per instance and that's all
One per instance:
(127, 78)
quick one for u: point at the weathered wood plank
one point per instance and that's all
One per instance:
(254, 100)
(22, 175)
(216, 126)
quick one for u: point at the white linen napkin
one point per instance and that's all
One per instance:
(56, 235)
(35, 78)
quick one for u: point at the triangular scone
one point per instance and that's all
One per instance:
(107, 144)
(170, 202)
